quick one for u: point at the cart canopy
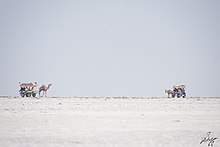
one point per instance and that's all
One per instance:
(179, 87)
(28, 84)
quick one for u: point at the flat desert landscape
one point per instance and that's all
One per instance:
(109, 121)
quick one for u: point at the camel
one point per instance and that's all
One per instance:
(169, 92)
(44, 89)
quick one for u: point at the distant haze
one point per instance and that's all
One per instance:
(110, 48)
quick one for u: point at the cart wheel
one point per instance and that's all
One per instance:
(184, 95)
(28, 95)
(22, 95)
(33, 94)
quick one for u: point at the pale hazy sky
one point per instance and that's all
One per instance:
(110, 47)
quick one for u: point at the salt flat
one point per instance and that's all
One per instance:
(108, 121)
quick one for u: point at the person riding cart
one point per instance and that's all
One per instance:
(27, 89)
(179, 91)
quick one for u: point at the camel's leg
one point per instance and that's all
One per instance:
(45, 93)
(39, 93)
(42, 94)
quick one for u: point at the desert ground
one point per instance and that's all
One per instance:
(108, 121)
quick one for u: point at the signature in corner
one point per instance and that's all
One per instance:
(208, 139)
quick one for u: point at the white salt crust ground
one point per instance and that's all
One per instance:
(108, 121)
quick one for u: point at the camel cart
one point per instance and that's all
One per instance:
(28, 89)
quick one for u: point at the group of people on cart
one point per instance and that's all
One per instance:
(28, 89)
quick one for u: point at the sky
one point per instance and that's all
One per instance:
(110, 47)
